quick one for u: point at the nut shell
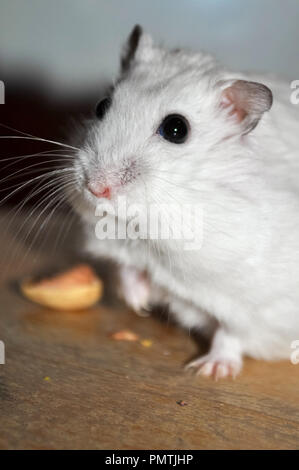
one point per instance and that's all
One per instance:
(65, 295)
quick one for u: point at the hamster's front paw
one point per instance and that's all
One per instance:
(135, 289)
(224, 359)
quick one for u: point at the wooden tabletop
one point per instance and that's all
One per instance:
(67, 384)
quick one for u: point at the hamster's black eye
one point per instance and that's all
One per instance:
(102, 107)
(174, 128)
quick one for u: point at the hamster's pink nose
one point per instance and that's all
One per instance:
(100, 191)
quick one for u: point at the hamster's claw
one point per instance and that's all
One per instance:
(217, 368)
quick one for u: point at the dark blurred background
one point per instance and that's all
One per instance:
(57, 57)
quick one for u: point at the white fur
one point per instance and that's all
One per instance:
(245, 278)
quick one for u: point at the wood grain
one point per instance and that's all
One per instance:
(66, 384)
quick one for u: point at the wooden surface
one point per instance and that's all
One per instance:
(66, 384)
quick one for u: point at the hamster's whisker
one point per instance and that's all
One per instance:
(64, 230)
(39, 139)
(42, 186)
(27, 173)
(61, 160)
(29, 166)
(56, 201)
(49, 153)
(56, 195)
(30, 182)
(26, 134)
(15, 253)
(41, 180)
(34, 192)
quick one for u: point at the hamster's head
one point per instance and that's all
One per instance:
(156, 136)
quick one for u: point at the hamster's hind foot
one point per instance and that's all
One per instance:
(224, 359)
(215, 367)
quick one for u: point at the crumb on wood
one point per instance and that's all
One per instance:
(124, 335)
(182, 403)
(147, 343)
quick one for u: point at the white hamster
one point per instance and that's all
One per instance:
(180, 129)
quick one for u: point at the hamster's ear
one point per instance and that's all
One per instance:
(138, 47)
(246, 102)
